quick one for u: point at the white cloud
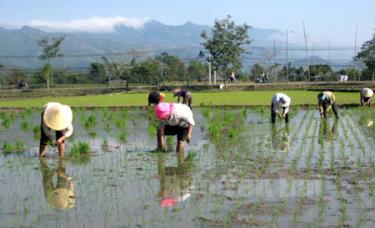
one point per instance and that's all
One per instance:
(94, 24)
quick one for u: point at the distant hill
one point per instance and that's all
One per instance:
(81, 48)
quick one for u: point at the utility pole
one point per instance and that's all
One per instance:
(215, 77)
(286, 56)
(209, 69)
(307, 54)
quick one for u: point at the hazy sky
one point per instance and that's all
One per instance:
(325, 20)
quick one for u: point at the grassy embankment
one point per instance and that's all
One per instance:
(237, 98)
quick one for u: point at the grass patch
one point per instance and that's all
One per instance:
(19, 146)
(236, 98)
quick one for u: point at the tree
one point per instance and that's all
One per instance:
(226, 45)
(97, 72)
(173, 66)
(50, 49)
(197, 70)
(367, 54)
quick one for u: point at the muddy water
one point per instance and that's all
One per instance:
(239, 170)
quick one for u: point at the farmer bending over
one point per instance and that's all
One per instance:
(56, 118)
(175, 119)
(366, 95)
(326, 100)
(186, 96)
(280, 107)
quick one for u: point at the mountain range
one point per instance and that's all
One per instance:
(19, 48)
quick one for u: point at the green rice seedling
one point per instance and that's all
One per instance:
(124, 114)
(80, 148)
(8, 147)
(244, 113)
(120, 123)
(123, 136)
(107, 127)
(25, 125)
(90, 122)
(36, 131)
(206, 113)
(7, 121)
(93, 134)
(152, 128)
(26, 114)
(19, 146)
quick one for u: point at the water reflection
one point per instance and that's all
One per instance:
(327, 133)
(59, 194)
(280, 138)
(176, 182)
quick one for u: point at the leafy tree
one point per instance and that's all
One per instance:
(173, 67)
(97, 72)
(225, 45)
(197, 70)
(16, 76)
(50, 49)
(367, 54)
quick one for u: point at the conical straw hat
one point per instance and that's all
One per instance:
(366, 92)
(58, 116)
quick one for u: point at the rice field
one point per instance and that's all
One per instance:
(239, 170)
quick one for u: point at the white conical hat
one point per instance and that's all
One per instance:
(57, 116)
(366, 92)
(286, 100)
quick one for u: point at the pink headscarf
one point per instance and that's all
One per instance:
(163, 110)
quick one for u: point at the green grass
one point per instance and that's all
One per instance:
(237, 98)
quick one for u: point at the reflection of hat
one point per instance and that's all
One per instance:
(61, 198)
(163, 110)
(57, 116)
(366, 92)
(284, 101)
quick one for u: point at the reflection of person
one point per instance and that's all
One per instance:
(175, 119)
(280, 138)
(176, 183)
(187, 97)
(326, 100)
(366, 94)
(280, 107)
(61, 194)
(56, 118)
(325, 132)
(155, 98)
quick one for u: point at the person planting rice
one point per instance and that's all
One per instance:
(155, 98)
(186, 96)
(175, 119)
(56, 118)
(366, 94)
(280, 107)
(326, 100)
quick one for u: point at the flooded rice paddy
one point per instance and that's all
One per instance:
(239, 170)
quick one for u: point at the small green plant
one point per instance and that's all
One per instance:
(80, 148)
(123, 136)
(36, 131)
(19, 146)
(90, 122)
(25, 126)
(93, 134)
